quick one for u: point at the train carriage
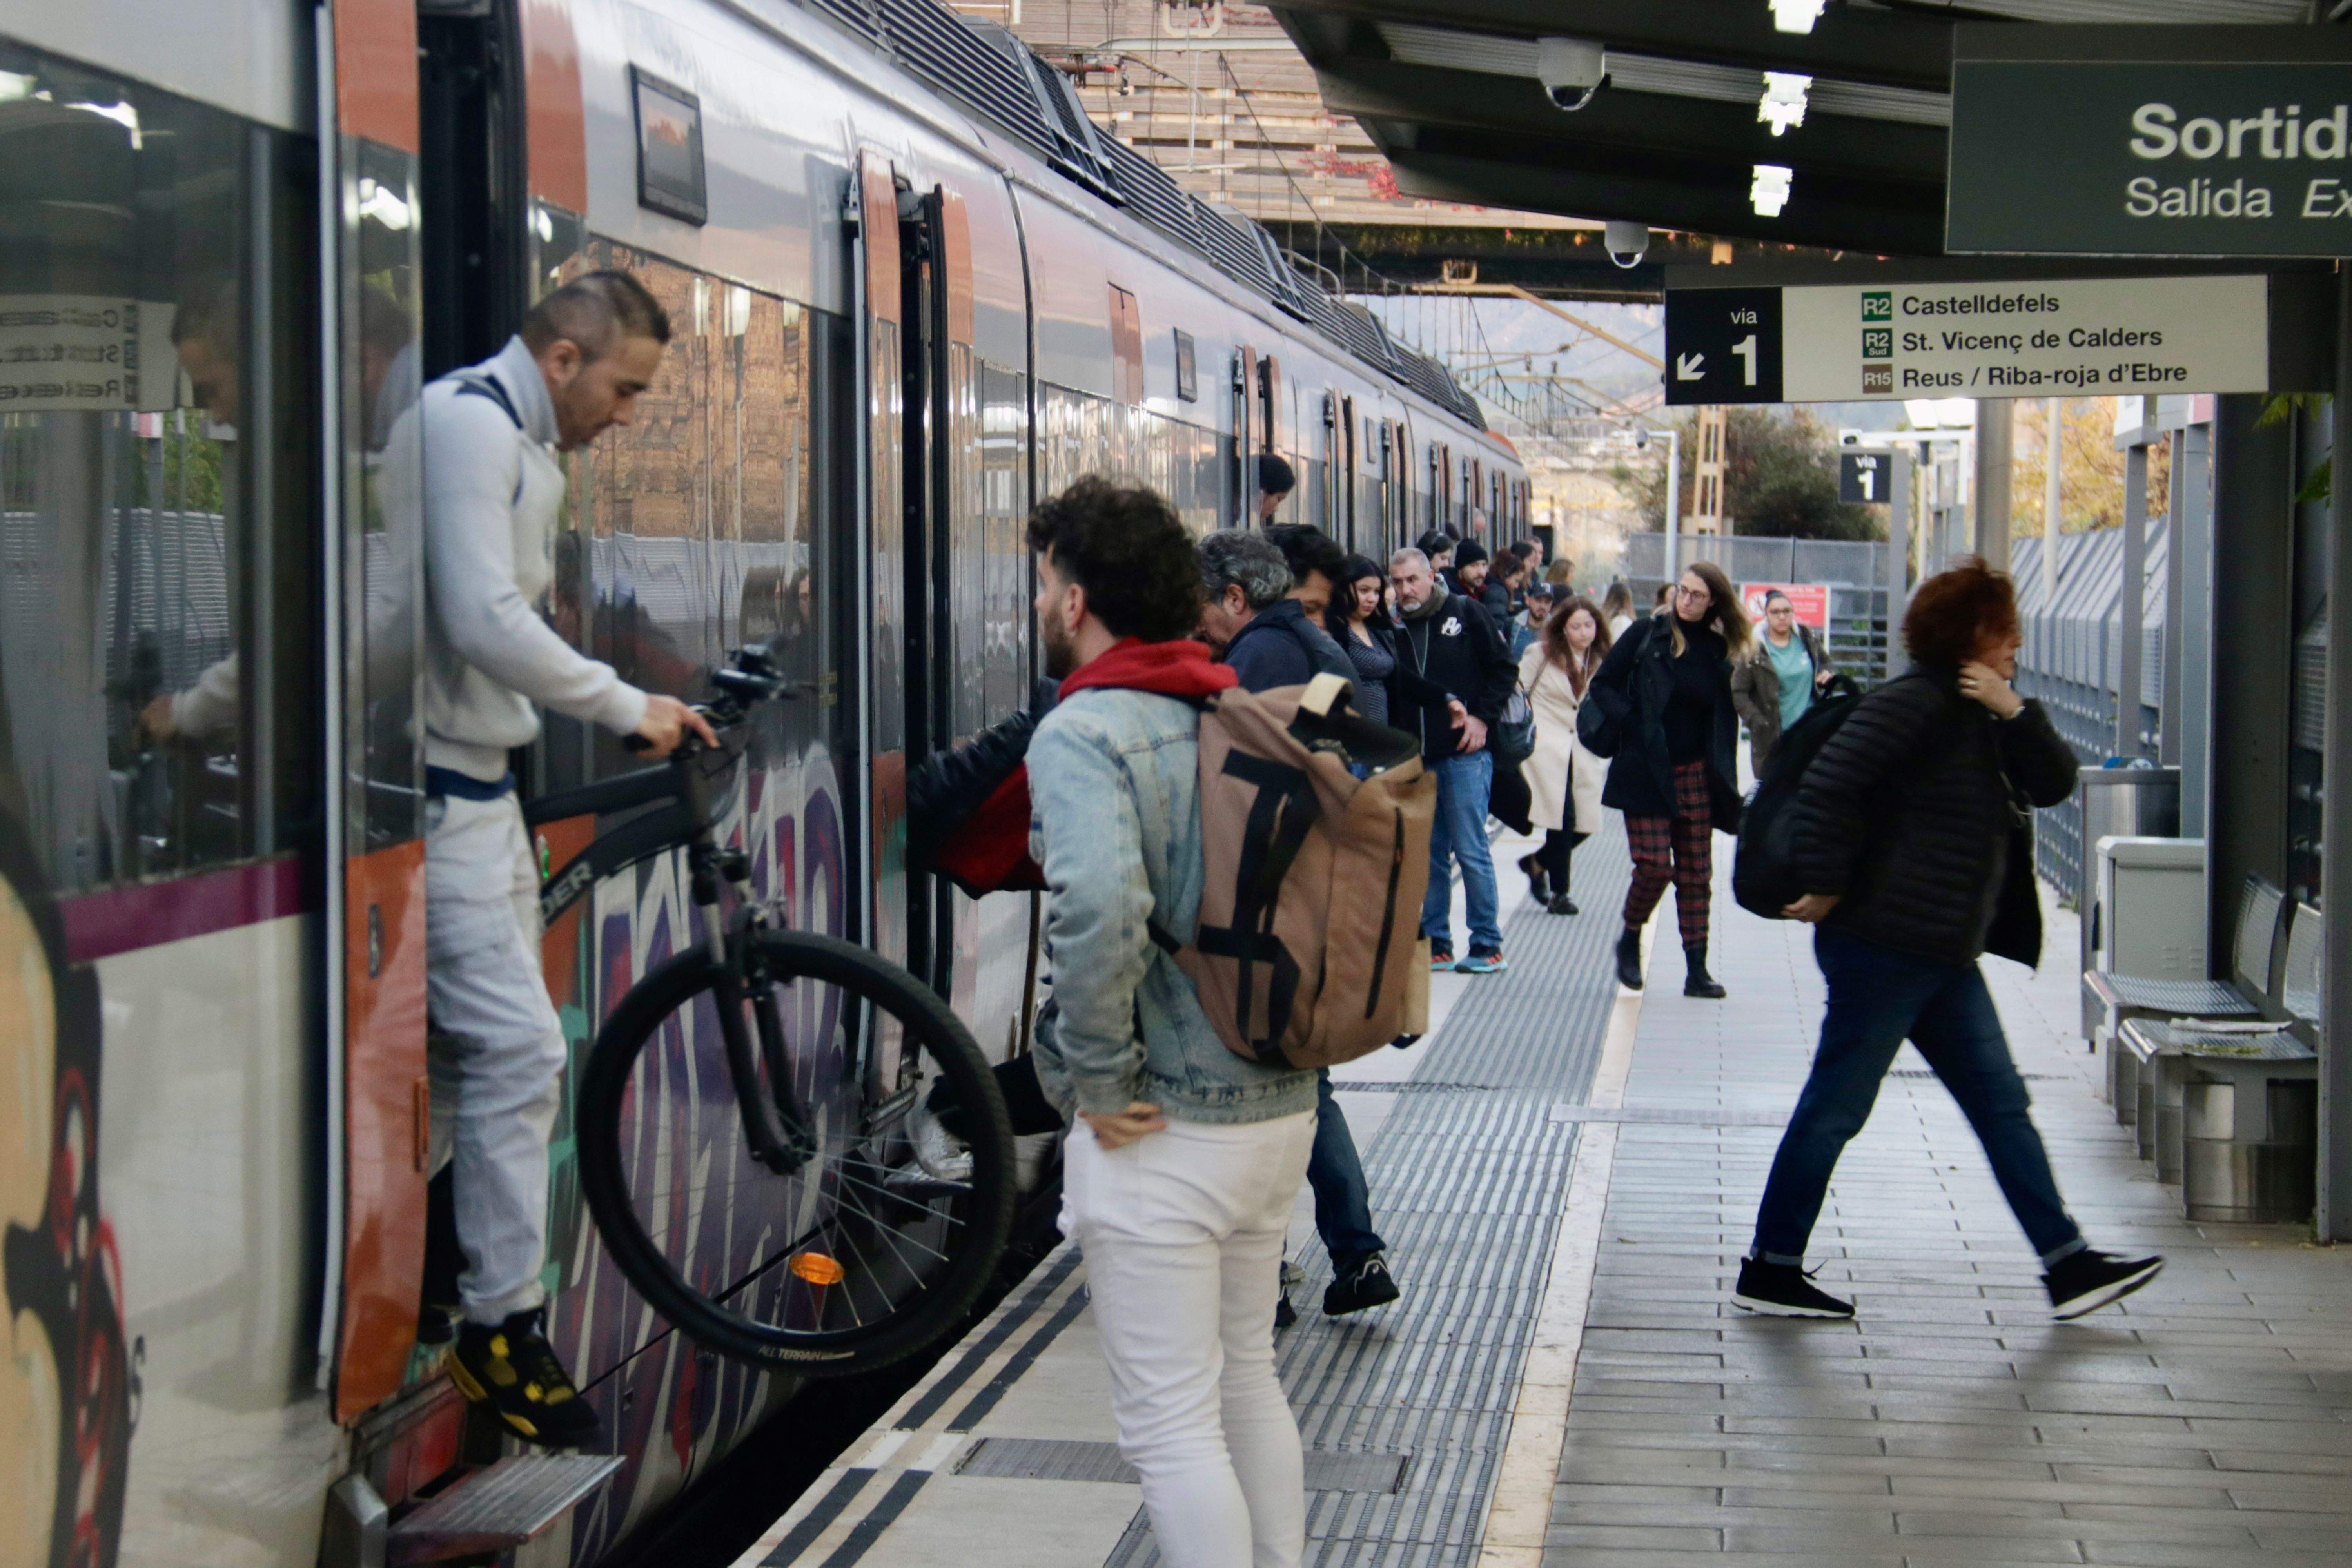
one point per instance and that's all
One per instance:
(912, 288)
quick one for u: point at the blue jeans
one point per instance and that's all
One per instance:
(1464, 784)
(1343, 1202)
(1878, 996)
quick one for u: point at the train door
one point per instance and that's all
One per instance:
(371, 139)
(879, 622)
(1245, 438)
(938, 507)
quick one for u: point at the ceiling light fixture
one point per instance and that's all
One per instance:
(1796, 15)
(1769, 194)
(1783, 103)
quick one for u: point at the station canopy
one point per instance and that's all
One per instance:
(1767, 120)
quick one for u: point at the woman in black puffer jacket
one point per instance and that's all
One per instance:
(1666, 691)
(1915, 841)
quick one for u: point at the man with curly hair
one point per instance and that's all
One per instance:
(1179, 1180)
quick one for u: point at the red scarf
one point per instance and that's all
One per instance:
(990, 851)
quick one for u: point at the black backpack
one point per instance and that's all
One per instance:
(1764, 867)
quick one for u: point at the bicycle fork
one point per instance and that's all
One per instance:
(784, 1148)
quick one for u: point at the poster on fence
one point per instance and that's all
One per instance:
(1810, 600)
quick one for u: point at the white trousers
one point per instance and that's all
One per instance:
(498, 1052)
(1182, 1232)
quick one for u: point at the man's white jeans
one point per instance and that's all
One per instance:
(1182, 1232)
(498, 1052)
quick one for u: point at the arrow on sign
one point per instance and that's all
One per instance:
(1688, 367)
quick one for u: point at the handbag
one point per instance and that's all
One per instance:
(1512, 737)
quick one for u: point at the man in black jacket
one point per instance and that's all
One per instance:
(1912, 834)
(1453, 676)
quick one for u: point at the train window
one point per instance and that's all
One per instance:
(1188, 380)
(670, 148)
(159, 707)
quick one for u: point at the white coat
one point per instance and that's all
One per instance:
(1560, 758)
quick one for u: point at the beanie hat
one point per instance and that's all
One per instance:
(1469, 553)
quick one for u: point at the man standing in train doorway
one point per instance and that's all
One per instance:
(492, 493)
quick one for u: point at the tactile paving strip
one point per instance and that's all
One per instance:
(1059, 1459)
(1469, 1176)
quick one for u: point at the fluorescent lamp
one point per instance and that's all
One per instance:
(1783, 103)
(1796, 15)
(1769, 194)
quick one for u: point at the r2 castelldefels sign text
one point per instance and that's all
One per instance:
(2073, 337)
(2132, 141)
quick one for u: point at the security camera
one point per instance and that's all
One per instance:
(1571, 70)
(1626, 242)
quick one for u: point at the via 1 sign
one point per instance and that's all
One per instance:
(2150, 141)
(2055, 337)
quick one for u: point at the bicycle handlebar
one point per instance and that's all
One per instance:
(749, 678)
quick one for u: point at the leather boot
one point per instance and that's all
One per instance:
(1629, 958)
(1696, 981)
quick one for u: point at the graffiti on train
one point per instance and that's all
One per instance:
(66, 1383)
(667, 1406)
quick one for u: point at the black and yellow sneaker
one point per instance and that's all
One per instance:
(511, 1368)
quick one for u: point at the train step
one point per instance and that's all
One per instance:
(498, 1508)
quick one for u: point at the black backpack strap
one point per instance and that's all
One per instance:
(488, 386)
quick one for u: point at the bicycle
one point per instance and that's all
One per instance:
(836, 1254)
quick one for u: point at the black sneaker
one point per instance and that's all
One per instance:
(2085, 1281)
(511, 1368)
(1781, 1290)
(1285, 1314)
(1360, 1286)
(1561, 904)
(436, 1325)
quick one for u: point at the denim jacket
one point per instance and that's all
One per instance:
(1115, 821)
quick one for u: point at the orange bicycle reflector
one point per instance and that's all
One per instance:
(817, 1269)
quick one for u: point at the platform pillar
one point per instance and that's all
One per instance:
(2334, 1217)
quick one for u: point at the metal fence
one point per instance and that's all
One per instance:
(2073, 654)
(1855, 572)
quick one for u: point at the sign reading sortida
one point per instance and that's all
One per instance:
(2132, 141)
(2056, 337)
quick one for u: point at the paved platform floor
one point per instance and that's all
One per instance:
(2205, 1422)
(1566, 1383)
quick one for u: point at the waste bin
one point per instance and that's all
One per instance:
(2124, 802)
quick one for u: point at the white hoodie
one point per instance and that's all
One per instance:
(493, 495)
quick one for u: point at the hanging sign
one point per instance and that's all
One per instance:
(2058, 337)
(2133, 141)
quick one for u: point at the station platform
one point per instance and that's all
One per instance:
(1566, 1174)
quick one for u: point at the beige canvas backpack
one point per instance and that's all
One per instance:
(1309, 951)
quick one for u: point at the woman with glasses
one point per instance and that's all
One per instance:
(1773, 686)
(1665, 690)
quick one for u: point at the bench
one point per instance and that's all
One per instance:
(2111, 1000)
(2228, 1108)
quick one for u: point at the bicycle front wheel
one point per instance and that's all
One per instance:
(857, 1257)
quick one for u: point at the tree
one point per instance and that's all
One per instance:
(2090, 469)
(1779, 480)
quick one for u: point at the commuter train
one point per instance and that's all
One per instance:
(912, 288)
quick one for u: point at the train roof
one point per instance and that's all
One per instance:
(991, 72)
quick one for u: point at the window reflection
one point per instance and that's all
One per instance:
(155, 280)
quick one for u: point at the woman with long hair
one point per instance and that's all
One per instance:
(1914, 844)
(1358, 622)
(1665, 689)
(1617, 609)
(1563, 778)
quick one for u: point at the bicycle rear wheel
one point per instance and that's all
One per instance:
(859, 1258)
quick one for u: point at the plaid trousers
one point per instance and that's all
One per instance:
(1678, 849)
